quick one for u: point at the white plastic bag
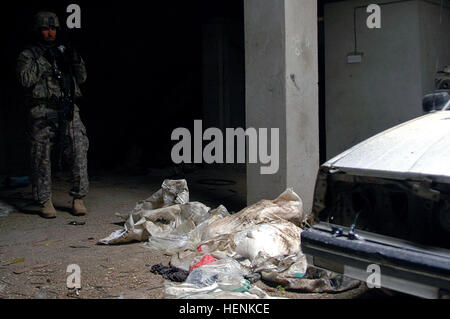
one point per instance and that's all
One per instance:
(227, 273)
(276, 238)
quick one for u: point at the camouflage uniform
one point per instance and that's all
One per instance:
(41, 91)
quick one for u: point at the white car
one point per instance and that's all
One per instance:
(384, 206)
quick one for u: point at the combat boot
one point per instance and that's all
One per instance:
(78, 207)
(47, 210)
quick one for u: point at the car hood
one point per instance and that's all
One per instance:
(419, 148)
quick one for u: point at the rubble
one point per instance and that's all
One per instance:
(260, 241)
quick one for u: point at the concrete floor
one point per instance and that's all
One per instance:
(106, 271)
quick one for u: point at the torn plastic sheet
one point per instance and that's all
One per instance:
(228, 273)
(293, 266)
(272, 268)
(167, 220)
(131, 232)
(184, 290)
(170, 228)
(276, 239)
(187, 236)
(222, 279)
(257, 235)
(172, 192)
(190, 291)
(288, 206)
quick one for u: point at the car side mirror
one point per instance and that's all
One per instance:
(439, 100)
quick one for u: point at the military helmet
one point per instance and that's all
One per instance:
(45, 19)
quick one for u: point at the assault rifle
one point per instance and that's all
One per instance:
(65, 102)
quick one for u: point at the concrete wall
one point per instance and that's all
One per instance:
(435, 41)
(386, 88)
(282, 92)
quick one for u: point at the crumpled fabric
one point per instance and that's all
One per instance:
(314, 281)
(170, 273)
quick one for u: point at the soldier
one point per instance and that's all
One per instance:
(50, 74)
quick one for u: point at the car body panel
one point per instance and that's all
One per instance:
(393, 191)
(404, 267)
(417, 149)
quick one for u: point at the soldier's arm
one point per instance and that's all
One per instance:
(28, 69)
(80, 71)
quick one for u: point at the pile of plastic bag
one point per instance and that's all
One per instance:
(220, 250)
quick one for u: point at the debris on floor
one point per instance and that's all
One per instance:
(74, 292)
(218, 255)
(76, 223)
(15, 261)
(170, 273)
(214, 291)
(5, 209)
(27, 269)
(205, 260)
(317, 281)
(46, 242)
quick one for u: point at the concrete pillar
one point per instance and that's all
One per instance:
(282, 92)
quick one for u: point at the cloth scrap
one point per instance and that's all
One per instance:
(170, 273)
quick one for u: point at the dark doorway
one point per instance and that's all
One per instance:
(150, 70)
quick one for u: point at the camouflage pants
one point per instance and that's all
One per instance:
(43, 135)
